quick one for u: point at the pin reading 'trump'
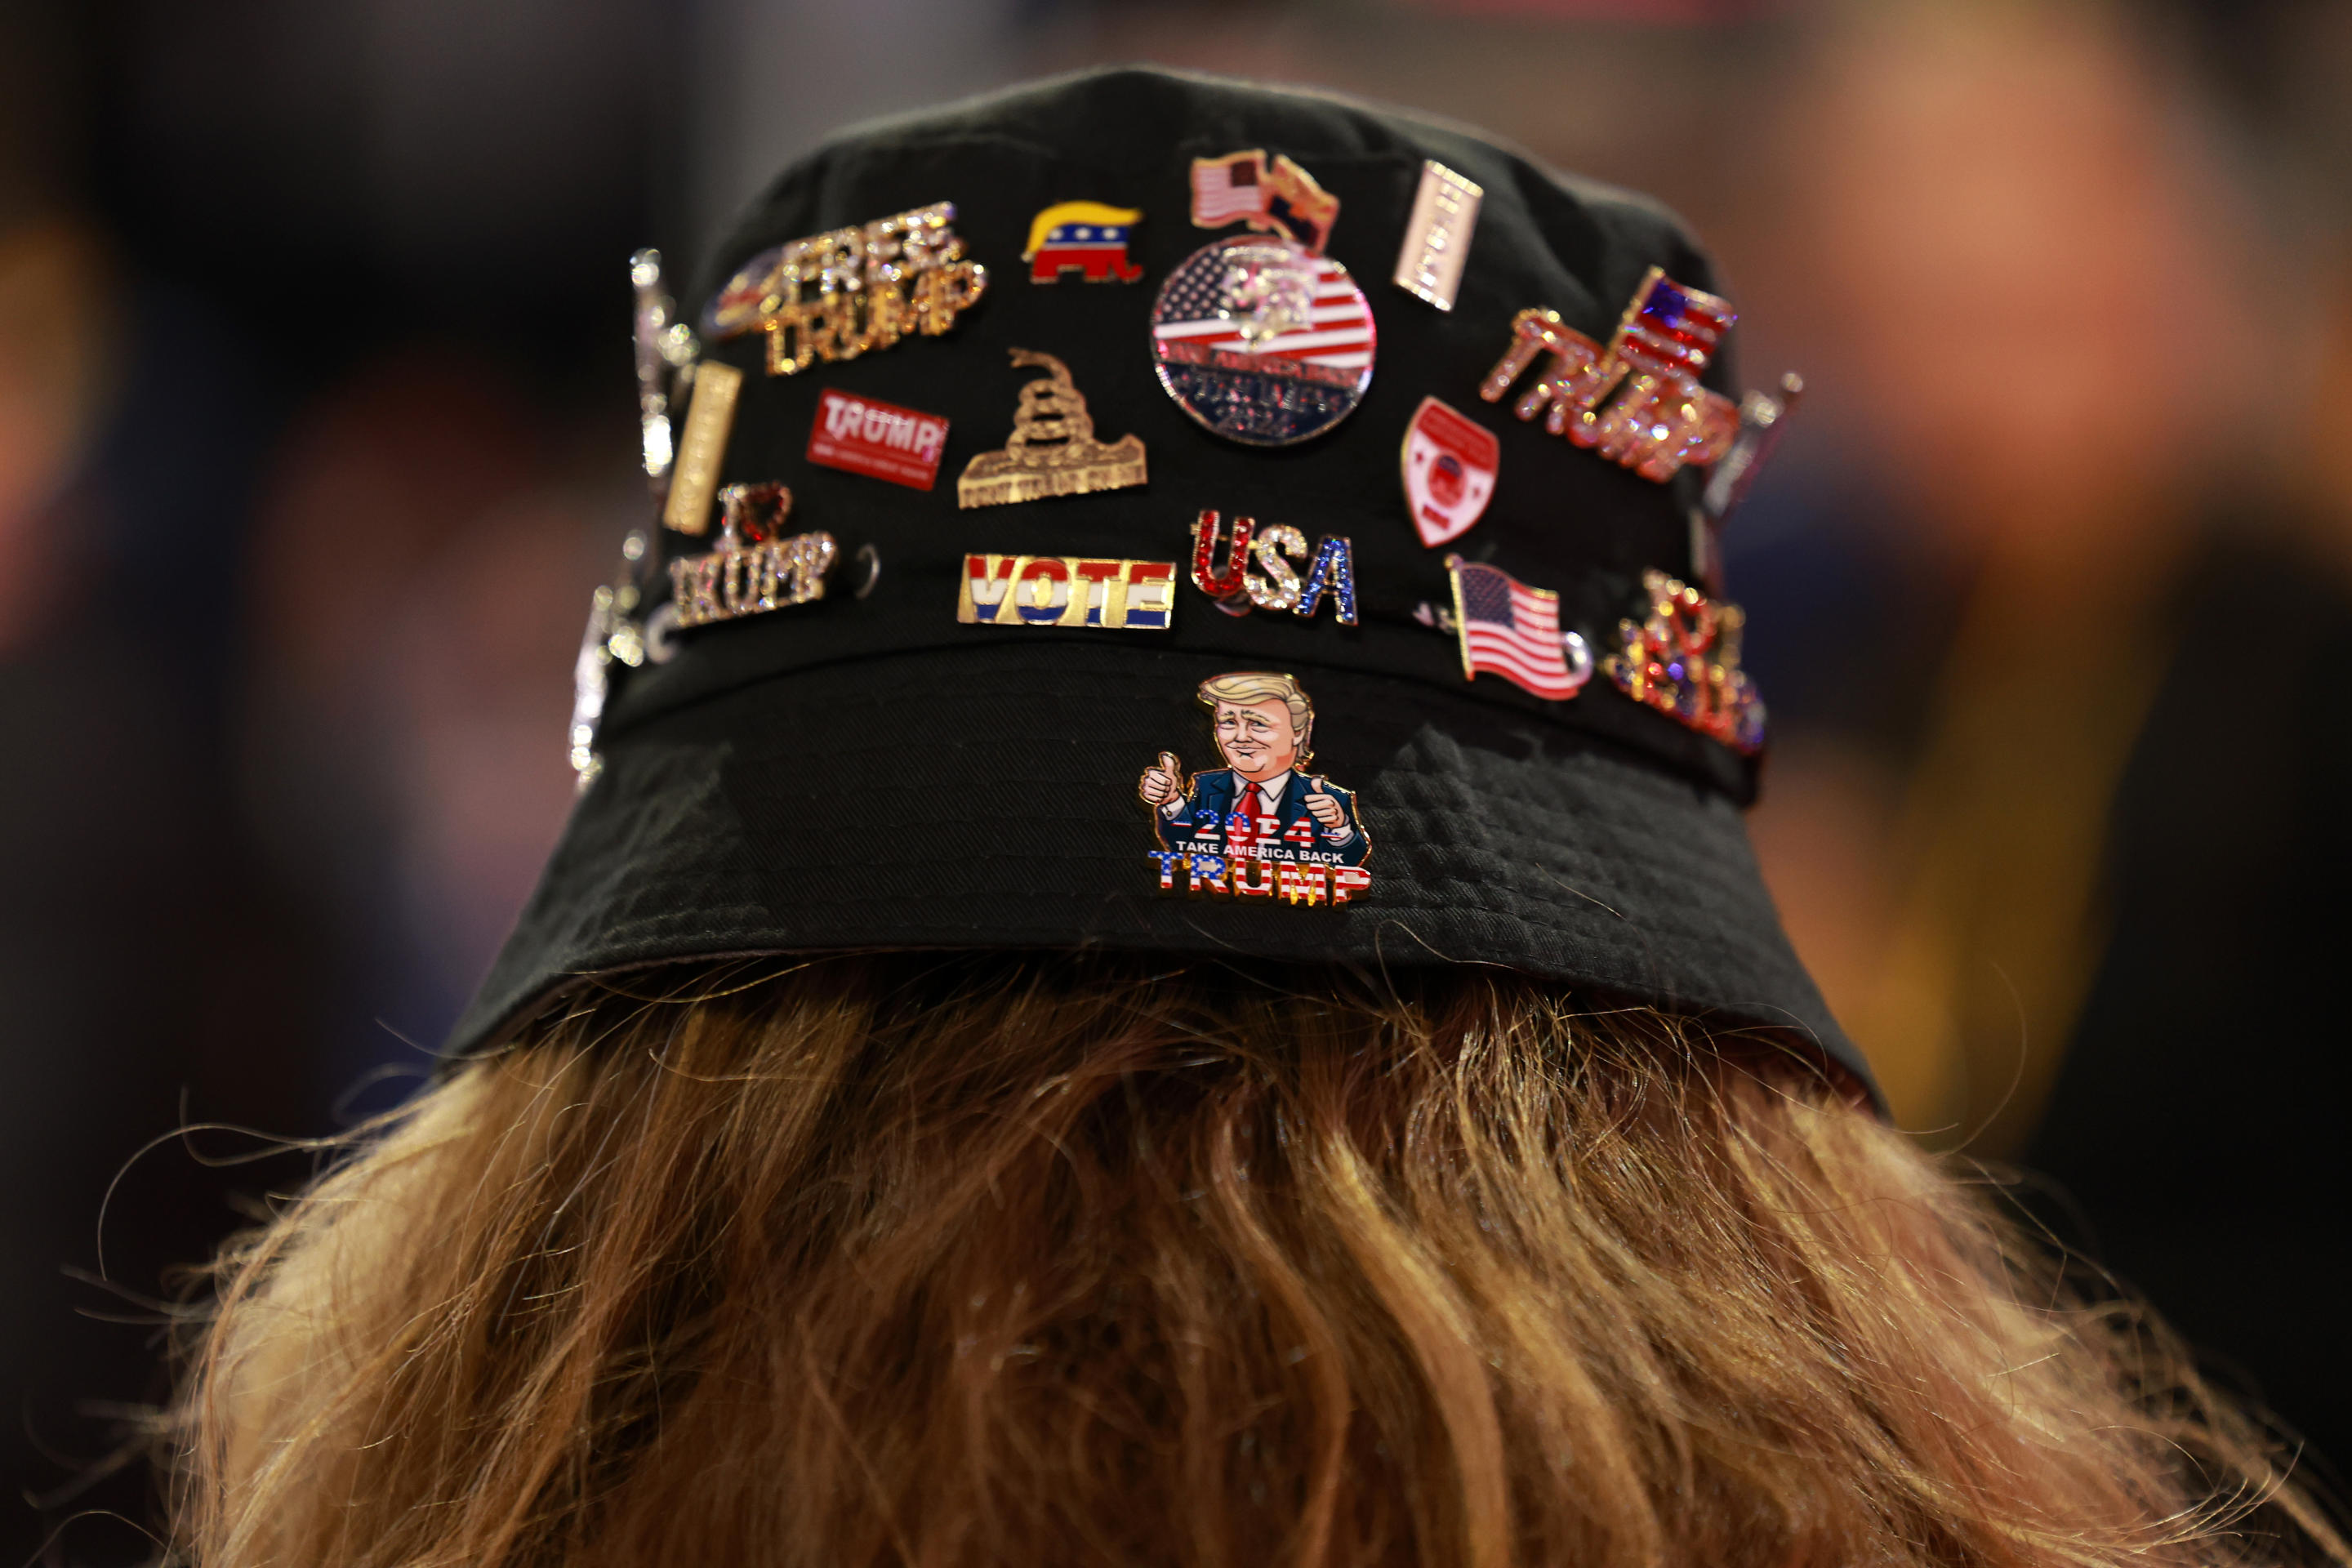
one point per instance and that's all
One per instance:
(1261, 827)
(1656, 417)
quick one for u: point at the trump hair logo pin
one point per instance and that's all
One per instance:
(1261, 827)
(1088, 239)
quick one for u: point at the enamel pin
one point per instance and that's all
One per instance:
(1263, 342)
(1277, 198)
(755, 569)
(1276, 586)
(1510, 629)
(1260, 826)
(1660, 417)
(881, 440)
(1437, 236)
(1682, 660)
(1450, 463)
(1066, 591)
(1085, 237)
(1053, 451)
(838, 295)
(1262, 338)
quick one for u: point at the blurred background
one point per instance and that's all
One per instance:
(317, 428)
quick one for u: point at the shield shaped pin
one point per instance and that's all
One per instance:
(1450, 465)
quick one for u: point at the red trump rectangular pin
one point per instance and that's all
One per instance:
(881, 440)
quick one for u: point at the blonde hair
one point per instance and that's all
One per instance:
(962, 1260)
(1251, 686)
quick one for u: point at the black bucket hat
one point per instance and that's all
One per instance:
(820, 737)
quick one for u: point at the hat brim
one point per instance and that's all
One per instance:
(987, 798)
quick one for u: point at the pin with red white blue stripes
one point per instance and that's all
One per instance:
(1510, 629)
(1262, 338)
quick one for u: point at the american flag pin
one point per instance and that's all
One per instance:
(1273, 196)
(1262, 341)
(1438, 234)
(1506, 628)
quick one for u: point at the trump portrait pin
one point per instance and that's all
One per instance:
(1261, 827)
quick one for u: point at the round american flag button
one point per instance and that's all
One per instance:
(1262, 341)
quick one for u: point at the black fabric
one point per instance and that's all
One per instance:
(1594, 841)
(1561, 519)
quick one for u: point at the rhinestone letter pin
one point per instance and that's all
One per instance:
(835, 296)
(1662, 417)
(754, 570)
(1682, 660)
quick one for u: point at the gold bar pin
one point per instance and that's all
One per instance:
(695, 479)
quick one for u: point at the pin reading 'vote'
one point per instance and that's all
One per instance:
(1066, 591)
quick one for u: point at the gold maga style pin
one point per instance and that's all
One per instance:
(1682, 660)
(1437, 236)
(1261, 827)
(1066, 591)
(835, 296)
(708, 419)
(1660, 417)
(1053, 451)
(755, 569)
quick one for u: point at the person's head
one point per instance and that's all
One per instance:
(1050, 1260)
(882, 1144)
(1264, 722)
